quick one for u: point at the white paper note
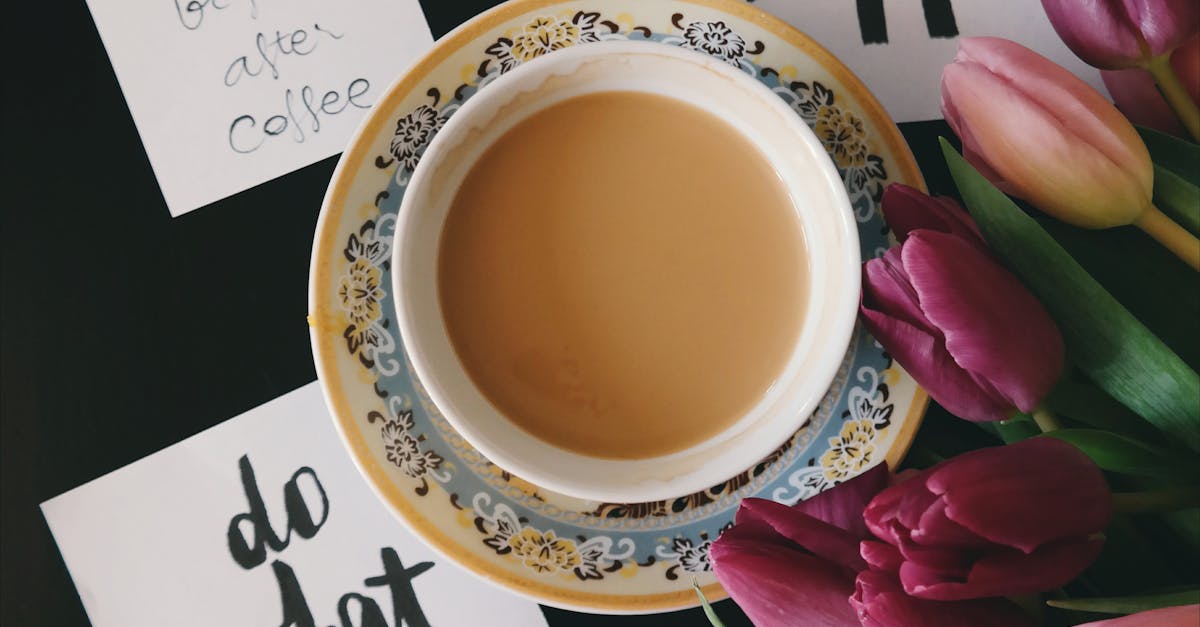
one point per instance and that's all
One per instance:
(176, 538)
(227, 94)
(905, 73)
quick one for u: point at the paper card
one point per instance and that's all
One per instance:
(261, 520)
(898, 47)
(227, 94)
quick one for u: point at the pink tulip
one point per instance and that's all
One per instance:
(881, 602)
(1180, 616)
(1115, 34)
(964, 327)
(1002, 521)
(1042, 134)
(796, 565)
(1136, 95)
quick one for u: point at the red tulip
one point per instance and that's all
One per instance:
(1040, 133)
(788, 565)
(1180, 616)
(1136, 95)
(964, 327)
(1002, 521)
(881, 602)
(1115, 34)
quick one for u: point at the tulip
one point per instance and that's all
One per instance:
(1044, 135)
(964, 327)
(1135, 94)
(1116, 34)
(783, 565)
(1005, 521)
(906, 209)
(1179, 616)
(1119, 34)
(881, 602)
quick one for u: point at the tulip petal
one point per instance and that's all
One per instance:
(886, 287)
(1098, 31)
(881, 556)
(775, 585)
(937, 529)
(1004, 572)
(815, 536)
(907, 209)
(880, 602)
(1051, 138)
(994, 328)
(1164, 24)
(1135, 94)
(1024, 495)
(888, 314)
(1081, 110)
(842, 506)
(1179, 616)
(895, 510)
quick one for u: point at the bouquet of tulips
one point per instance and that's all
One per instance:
(1084, 503)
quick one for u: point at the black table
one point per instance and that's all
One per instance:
(123, 330)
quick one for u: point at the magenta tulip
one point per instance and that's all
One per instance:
(964, 327)
(796, 565)
(1180, 616)
(1136, 95)
(1115, 34)
(1002, 521)
(906, 209)
(881, 602)
(1042, 134)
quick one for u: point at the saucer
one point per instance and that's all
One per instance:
(587, 556)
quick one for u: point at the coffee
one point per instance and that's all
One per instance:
(622, 275)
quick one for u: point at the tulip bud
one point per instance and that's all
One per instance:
(1002, 521)
(881, 602)
(1042, 134)
(1115, 34)
(963, 326)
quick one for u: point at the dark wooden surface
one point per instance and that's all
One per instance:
(124, 330)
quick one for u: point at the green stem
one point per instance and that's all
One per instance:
(1168, 500)
(1045, 419)
(1175, 93)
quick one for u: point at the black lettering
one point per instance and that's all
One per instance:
(280, 124)
(259, 43)
(358, 87)
(369, 614)
(299, 516)
(405, 606)
(233, 127)
(299, 36)
(326, 102)
(939, 19)
(872, 23)
(296, 612)
(246, 554)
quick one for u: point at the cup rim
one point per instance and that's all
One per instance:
(833, 346)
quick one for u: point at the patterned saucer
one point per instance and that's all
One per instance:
(600, 557)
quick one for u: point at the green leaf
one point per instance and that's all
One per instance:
(708, 610)
(1118, 453)
(1128, 605)
(1177, 198)
(1085, 403)
(1177, 155)
(1102, 338)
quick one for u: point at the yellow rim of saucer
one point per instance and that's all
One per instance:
(350, 164)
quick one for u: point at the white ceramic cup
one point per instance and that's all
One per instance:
(822, 207)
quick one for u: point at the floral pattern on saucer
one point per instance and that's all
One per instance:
(560, 549)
